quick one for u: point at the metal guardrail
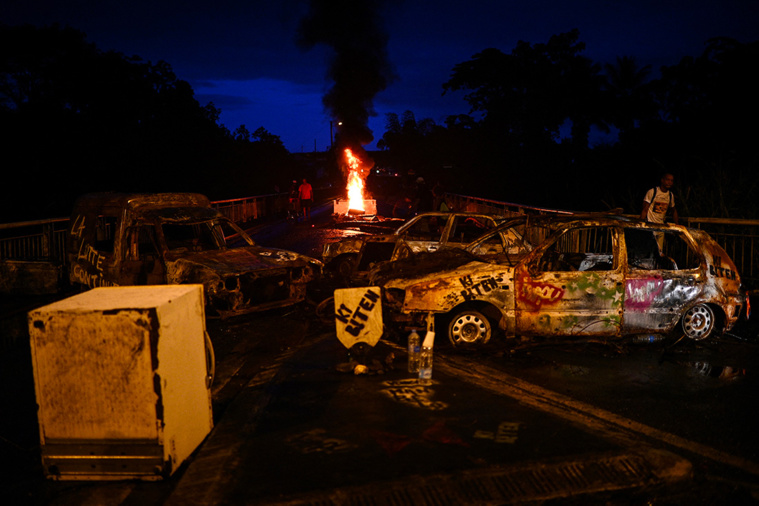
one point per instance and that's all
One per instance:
(252, 208)
(45, 240)
(739, 238)
(40, 240)
(474, 204)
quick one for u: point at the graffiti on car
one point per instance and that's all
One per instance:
(474, 289)
(536, 294)
(716, 269)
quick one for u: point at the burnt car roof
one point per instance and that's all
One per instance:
(134, 201)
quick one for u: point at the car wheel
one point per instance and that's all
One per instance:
(469, 328)
(698, 322)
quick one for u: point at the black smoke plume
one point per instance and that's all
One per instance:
(359, 68)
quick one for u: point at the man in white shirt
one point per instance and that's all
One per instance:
(659, 200)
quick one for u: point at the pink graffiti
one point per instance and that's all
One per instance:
(641, 293)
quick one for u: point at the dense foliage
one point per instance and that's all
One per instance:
(78, 120)
(535, 130)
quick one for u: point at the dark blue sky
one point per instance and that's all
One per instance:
(243, 56)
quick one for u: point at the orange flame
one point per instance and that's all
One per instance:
(355, 183)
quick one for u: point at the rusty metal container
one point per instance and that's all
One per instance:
(341, 207)
(122, 379)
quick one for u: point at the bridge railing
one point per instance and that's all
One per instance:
(45, 240)
(739, 238)
(474, 204)
(40, 240)
(247, 209)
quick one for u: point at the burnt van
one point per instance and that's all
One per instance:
(118, 239)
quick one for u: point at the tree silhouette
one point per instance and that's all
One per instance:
(626, 83)
(82, 120)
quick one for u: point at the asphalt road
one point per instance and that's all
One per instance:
(586, 422)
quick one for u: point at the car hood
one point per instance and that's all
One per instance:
(416, 268)
(353, 244)
(239, 260)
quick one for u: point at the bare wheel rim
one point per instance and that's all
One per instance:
(469, 328)
(698, 322)
(345, 267)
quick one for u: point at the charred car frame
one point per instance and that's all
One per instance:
(605, 276)
(351, 259)
(178, 238)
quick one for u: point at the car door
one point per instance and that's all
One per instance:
(143, 262)
(573, 284)
(661, 282)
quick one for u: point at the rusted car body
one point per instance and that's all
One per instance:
(600, 276)
(177, 238)
(353, 258)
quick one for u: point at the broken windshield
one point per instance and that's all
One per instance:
(204, 236)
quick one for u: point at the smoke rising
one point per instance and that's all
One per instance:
(359, 68)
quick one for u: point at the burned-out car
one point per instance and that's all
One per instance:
(604, 276)
(353, 258)
(178, 238)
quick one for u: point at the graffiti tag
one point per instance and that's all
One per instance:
(473, 290)
(80, 275)
(315, 441)
(718, 271)
(641, 293)
(87, 254)
(507, 433)
(90, 255)
(77, 227)
(411, 393)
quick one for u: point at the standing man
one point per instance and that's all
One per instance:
(657, 203)
(306, 194)
(659, 200)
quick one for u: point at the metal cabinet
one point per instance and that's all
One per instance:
(122, 379)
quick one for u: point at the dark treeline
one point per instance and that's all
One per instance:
(77, 119)
(529, 137)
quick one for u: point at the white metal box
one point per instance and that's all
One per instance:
(122, 379)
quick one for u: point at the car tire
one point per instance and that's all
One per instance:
(699, 322)
(469, 328)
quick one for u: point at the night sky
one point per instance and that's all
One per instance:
(254, 61)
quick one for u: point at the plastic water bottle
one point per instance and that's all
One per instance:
(425, 366)
(414, 351)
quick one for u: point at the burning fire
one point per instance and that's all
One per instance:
(355, 182)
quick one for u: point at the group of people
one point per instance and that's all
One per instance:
(421, 199)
